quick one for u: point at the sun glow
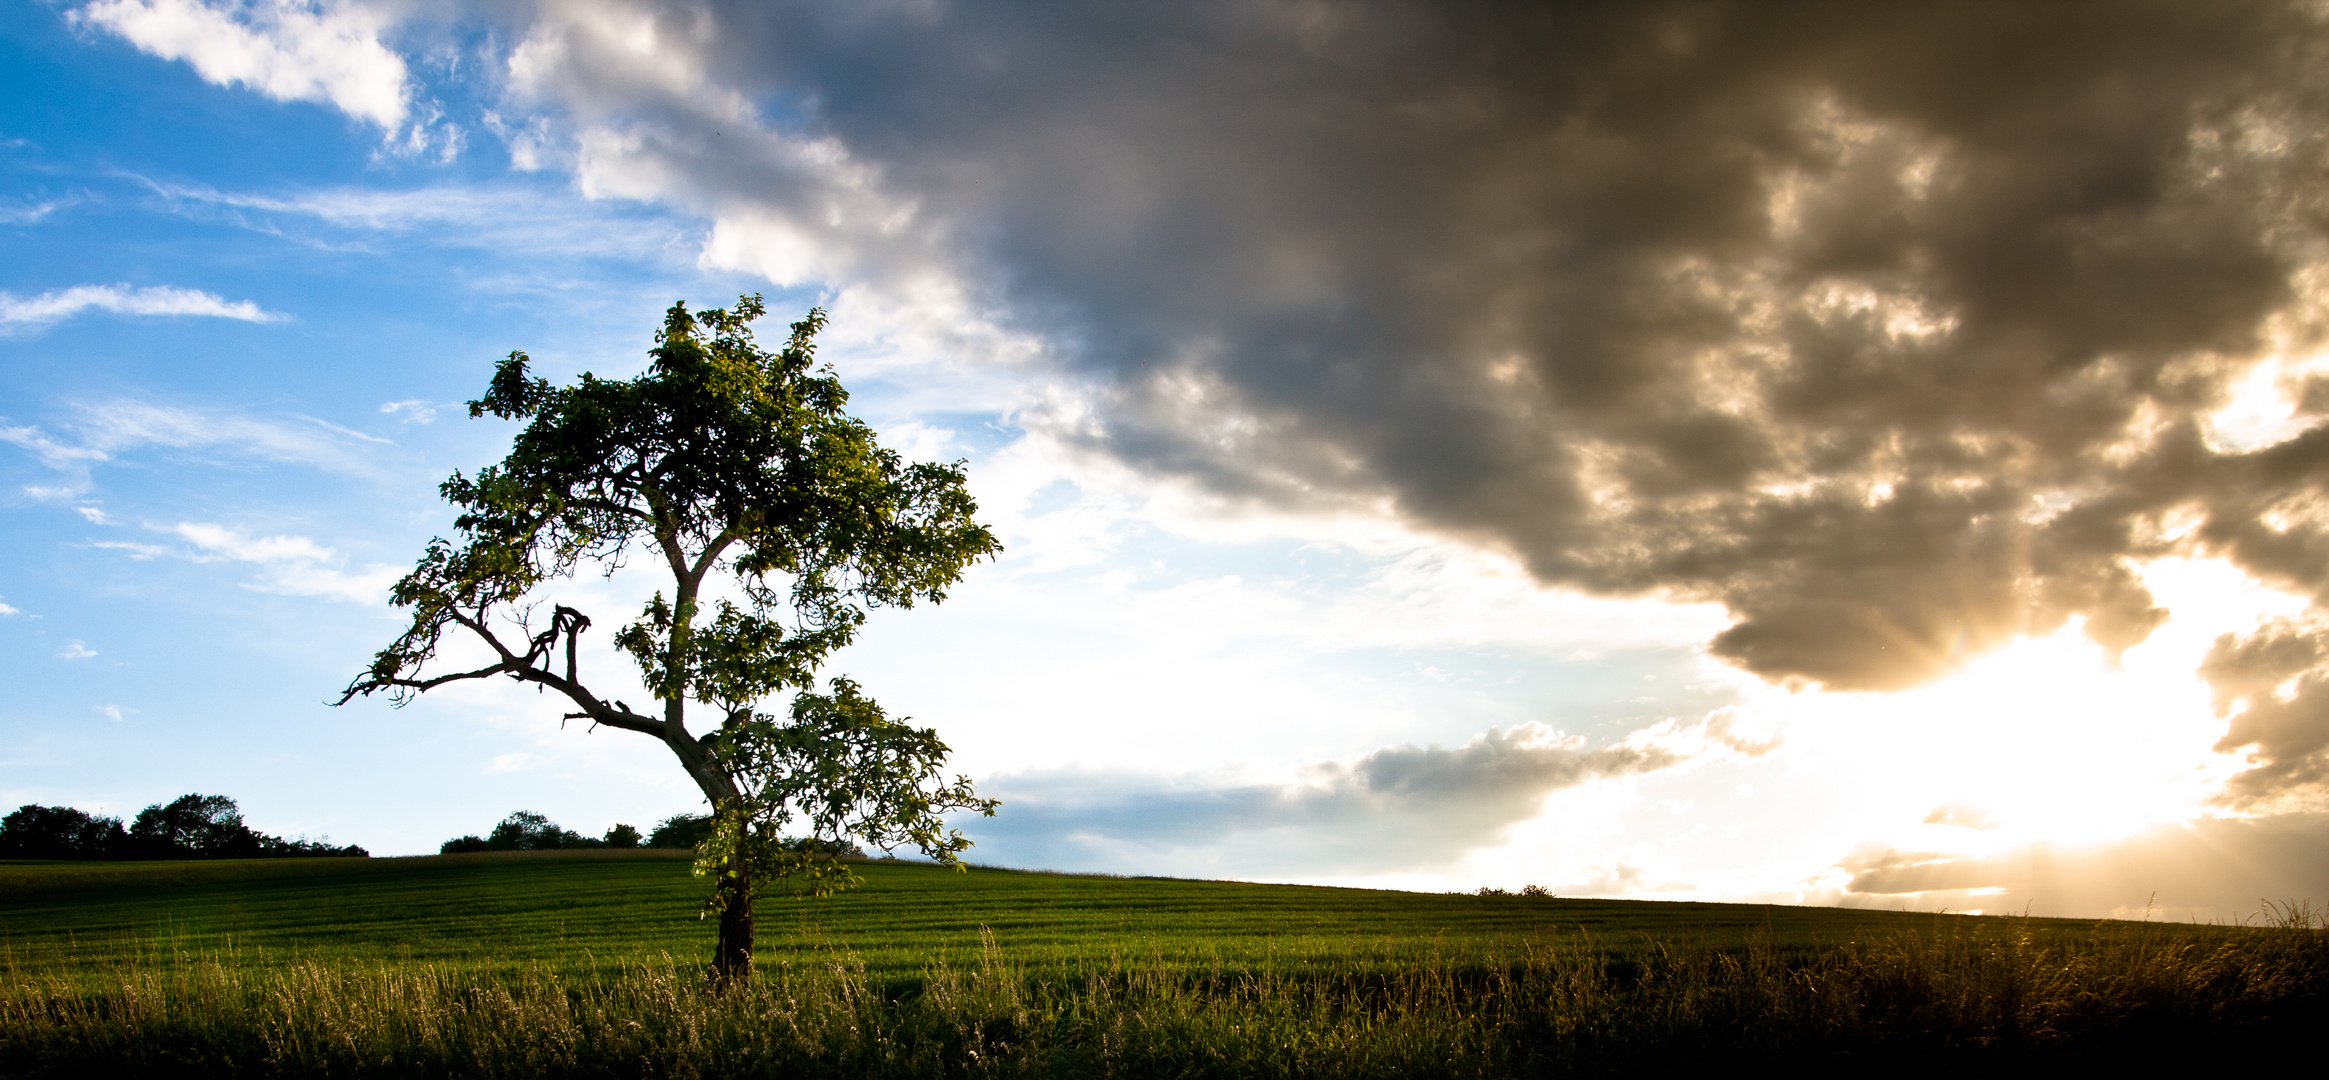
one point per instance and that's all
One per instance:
(2046, 741)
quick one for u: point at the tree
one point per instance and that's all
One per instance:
(194, 826)
(60, 832)
(188, 827)
(779, 521)
(529, 831)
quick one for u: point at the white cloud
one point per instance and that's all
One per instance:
(75, 650)
(288, 565)
(6, 610)
(292, 565)
(114, 713)
(137, 551)
(289, 50)
(103, 431)
(508, 763)
(505, 219)
(16, 212)
(59, 304)
(411, 410)
(95, 514)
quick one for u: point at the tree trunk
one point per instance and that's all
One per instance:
(732, 958)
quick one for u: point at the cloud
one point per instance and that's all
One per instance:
(290, 50)
(6, 610)
(2213, 868)
(1399, 808)
(1898, 330)
(60, 304)
(2273, 685)
(411, 410)
(292, 565)
(22, 212)
(104, 431)
(136, 551)
(504, 218)
(75, 650)
(288, 565)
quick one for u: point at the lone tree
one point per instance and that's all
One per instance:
(780, 520)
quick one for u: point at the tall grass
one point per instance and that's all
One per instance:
(1978, 997)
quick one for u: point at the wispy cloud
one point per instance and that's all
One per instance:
(292, 565)
(288, 565)
(104, 431)
(326, 51)
(411, 410)
(505, 218)
(135, 550)
(75, 650)
(21, 212)
(60, 304)
(6, 610)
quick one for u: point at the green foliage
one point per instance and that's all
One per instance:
(681, 831)
(621, 836)
(723, 461)
(722, 451)
(842, 768)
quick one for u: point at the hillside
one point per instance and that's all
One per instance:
(605, 907)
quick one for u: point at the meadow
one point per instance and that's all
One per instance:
(590, 964)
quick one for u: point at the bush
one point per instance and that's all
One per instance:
(621, 836)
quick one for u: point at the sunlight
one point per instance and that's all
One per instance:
(2047, 741)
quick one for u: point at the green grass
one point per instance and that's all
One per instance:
(604, 907)
(590, 964)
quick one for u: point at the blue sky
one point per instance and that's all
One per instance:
(1734, 472)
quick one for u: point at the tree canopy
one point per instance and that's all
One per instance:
(780, 521)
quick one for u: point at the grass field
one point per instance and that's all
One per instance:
(572, 908)
(589, 963)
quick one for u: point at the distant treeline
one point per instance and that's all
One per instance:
(189, 827)
(529, 831)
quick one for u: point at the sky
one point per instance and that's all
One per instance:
(1784, 452)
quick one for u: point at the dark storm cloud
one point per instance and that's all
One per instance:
(1399, 808)
(1892, 327)
(2275, 679)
